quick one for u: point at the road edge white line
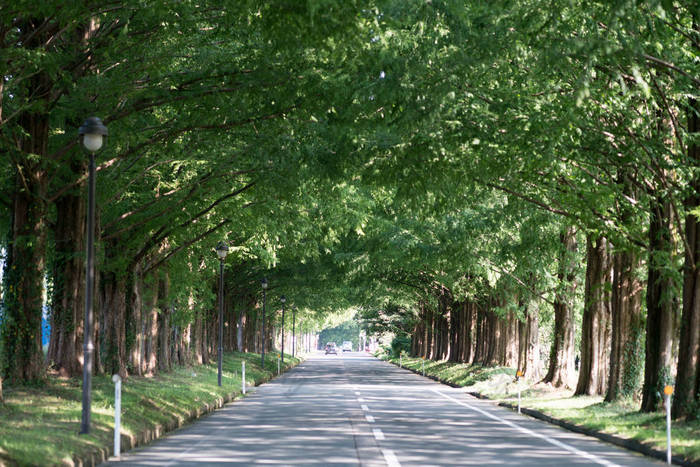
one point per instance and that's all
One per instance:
(550, 440)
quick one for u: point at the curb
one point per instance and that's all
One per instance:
(129, 442)
(630, 444)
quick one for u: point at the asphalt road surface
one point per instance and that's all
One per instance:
(353, 409)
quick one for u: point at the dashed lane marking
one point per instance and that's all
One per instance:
(365, 408)
(369, 418)
(390, 458)
(378, 434)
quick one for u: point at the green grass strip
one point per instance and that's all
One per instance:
(39, 424)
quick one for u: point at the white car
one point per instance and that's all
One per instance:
(347, 346)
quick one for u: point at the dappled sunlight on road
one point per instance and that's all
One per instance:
(353, 409)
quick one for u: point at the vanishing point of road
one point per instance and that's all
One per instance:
(353, 409)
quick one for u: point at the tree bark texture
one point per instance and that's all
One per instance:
(65, 352)
(164, 344)
(660, 307)
(561, 360)
(26, 263)
(595, 327)
(687, 393)
(528, 346)
(113, 324)
(627, 327)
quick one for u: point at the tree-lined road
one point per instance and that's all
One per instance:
(354, 409)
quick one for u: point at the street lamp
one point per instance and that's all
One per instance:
(283, 299)
(222, 251)
(92, 134)
(263, 283)
(294, 330)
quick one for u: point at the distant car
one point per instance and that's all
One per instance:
(347, 346)
(331, 348)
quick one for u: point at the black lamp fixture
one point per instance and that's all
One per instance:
(221, 251)
(92, 134)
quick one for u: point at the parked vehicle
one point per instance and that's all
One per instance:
(347, 346)
(331, 348)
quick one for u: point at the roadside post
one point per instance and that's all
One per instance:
(517, 381)
(401, 359)
(422, 366)
(668, 390)
(278, 365)
(243, 376)
(117, 413)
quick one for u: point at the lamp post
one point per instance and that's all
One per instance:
(283, 299)
(294, 330)
(91, 134)
(263, 283)
(222, 251)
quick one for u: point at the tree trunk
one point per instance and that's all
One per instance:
(561, 360)
(511, 341)
(240, 322)
(137, 325)
(469, 330)
(151, 350)
(627, 328)
(660, 307)
(529, 351)
(68, 299)
(23, 296)
(454, 327)
(429, 331)
(197, 339)
(113, 329)
(164, 344)
(595, 328)
(687, 393)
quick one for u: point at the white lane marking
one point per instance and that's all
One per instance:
(378, 434)
(357, 393)
(390, 458)
(369, 418)
(553, 441)
(359, 399)
(365, 408)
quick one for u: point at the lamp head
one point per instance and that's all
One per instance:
(92, 133)
(222, 250)
(263, 282)
(283, 299)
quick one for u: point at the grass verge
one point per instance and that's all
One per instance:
(621, 418)
(39, 424)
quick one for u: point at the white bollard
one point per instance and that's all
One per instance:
(243, 376)
(668, 390)
(117, 413)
